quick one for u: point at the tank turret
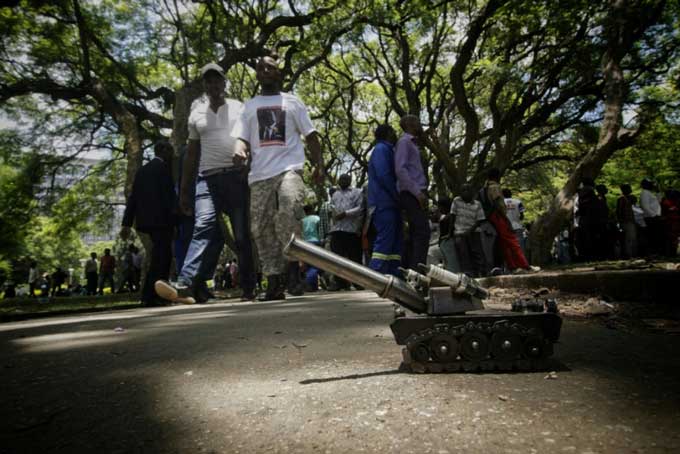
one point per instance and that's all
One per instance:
(450, 329)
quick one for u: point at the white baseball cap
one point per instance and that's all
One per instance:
(212, 67)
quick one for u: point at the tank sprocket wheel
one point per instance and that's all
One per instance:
(474, 346)
(420, 352)
(444, 348)
(506, 345)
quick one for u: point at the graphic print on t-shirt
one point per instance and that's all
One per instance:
(271, 121)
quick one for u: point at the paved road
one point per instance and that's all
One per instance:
(317, 374)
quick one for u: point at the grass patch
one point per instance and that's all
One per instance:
(21, 308)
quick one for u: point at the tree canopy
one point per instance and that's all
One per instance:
(531, 87)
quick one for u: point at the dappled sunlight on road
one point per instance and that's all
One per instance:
(68, 341)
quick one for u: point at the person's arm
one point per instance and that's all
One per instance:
(130, 209)
(384, 171)
(402, 150)
(189, 171)
(241, 152)
(357, 202)
(314, 145)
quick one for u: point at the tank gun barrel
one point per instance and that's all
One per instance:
(384, 285)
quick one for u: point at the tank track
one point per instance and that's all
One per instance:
(477, 346)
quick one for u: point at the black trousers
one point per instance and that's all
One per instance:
(418, 230)
(470, 254)
(92, 281)
(159, 265)
(348, 245)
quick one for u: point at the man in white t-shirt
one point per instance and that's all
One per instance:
(514, 210)
(269, 133)
(467, 215)
(221, 187)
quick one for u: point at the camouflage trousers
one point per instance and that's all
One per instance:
(275, 214)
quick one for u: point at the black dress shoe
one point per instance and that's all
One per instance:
(248, 296)
(276, 284)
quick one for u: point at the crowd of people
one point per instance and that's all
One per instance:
(245, 161)
(644, 226)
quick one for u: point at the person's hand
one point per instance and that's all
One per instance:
(125, 232)
(318, 176)
(240, 157)
(422, 200)
(340, 216)
(185, 206)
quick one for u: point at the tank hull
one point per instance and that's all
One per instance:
(477, 341)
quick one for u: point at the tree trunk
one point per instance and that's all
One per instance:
(621, 30)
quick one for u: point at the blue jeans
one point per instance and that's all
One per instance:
(225, 192)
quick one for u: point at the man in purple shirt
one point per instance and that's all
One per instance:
(412, 187)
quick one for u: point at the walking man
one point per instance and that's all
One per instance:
(269, 133)
(412, 187)
(347, 216)
(152, 207)
(91, 274)
(107, 268)
(383, 203)
(507, 241)
(221, 187)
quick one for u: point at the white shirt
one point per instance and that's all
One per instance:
(350, 202)
(513, 210)
(466, 215)
(32, 275)
(214, 132)
(649, 204)
(639, 216)
(273, 126)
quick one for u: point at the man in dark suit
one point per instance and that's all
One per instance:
(152, 206)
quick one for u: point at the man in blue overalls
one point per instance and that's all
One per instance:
(383, 200)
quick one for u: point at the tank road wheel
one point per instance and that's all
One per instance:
(505, 345)
(534, 347)
(420, 352)
(474, 346)
(444, 348)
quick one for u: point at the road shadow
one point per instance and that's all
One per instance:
(352, 376)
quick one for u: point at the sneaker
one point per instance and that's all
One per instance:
(171, 291)
(534, 269)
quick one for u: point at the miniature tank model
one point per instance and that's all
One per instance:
(451, 330)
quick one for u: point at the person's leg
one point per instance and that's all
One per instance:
(476, 254)
(339, 246)
(205, 226)
(386, 256)
(238, 209)
(628, 239)
(353, 247)
(288, 221)
(448, 248)
(263, 201)
(488, 235)
(463, 251)
(159, 266)
(514, 258)
(419, 229)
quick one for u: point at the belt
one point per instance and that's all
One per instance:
(221, 170)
